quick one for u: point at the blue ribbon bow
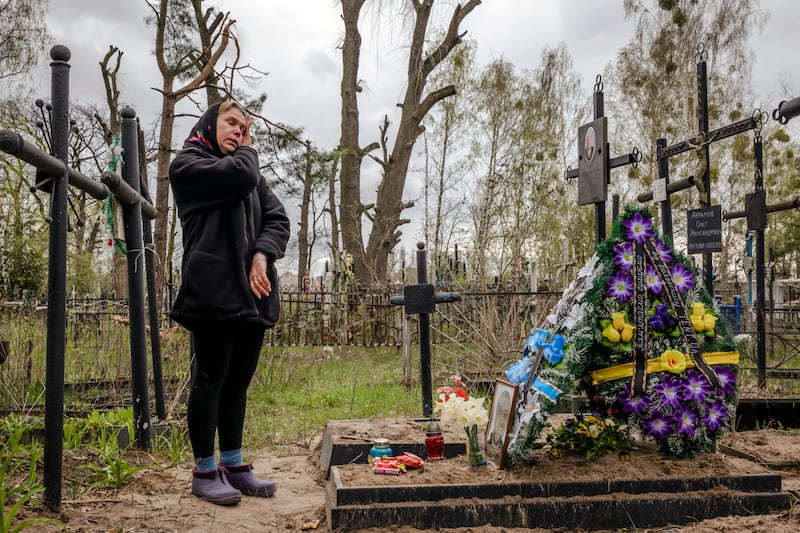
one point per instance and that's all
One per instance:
(552, 351)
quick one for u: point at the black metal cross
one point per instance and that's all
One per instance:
(701, 177)
(594, 163)
(756, 211)
(54, 175)
(421, 299)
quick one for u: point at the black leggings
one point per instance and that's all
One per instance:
(226, 356)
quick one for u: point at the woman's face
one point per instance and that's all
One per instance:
(230, 128)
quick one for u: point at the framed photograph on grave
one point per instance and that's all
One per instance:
(501, 420)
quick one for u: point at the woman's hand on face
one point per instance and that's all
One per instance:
(259, 282)
(246, 139)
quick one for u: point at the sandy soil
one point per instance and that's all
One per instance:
(160, 501)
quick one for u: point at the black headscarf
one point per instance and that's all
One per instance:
(204, 133)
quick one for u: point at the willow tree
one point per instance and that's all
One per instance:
(546, 227)
(497, 105)
(23, 36)
(370, 263)
(522, 208)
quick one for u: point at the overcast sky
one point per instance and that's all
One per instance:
(296, 42)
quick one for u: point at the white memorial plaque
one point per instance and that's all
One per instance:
(660, 190)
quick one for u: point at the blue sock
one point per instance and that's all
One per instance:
(231, 457)
(205, 464)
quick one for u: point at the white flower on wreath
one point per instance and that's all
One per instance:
(529, 410)
(575, 315)
(526, 411)
(588, 269)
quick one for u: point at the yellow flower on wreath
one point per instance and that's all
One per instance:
(702, 321)
(673, 361)
(617, 329)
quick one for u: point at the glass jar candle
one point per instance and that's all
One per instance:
(434, 442)
(380, 448)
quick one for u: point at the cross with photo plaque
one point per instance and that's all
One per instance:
(594, 163)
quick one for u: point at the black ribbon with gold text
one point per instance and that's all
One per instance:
(677, 305)
(639, 322)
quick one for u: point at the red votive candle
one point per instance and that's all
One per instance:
(434, 442)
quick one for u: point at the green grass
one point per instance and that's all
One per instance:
(297, 390)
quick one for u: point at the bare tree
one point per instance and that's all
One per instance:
(109, 69)
(351, 152)
(370, 263)
(177, 59)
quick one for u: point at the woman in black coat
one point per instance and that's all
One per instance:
(234, 229)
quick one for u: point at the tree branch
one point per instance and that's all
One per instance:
(451, 39)
(432, 98)
(208, 70)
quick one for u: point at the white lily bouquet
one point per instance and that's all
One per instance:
(455, 405)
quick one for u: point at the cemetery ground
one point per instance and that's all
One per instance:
(295, 391)
(160, 500)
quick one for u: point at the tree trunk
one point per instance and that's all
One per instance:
(350, 178)
(335, 264)
(303, 264)
(170, 98)
(162, 186)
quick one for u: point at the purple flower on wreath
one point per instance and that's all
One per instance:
(686, 421)
(670, 322)
(652, 280)
(727, 379)
(716, 415)
(639, 228)
(658, 427)
(656, 322)
(682, 277)
(696, 387)
(663, 250)
(638, 405)
(669, 391)
(620, 286)
(661, 320)
(623, 255)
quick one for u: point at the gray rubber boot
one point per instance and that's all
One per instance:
(213, 487)
(242, 478)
